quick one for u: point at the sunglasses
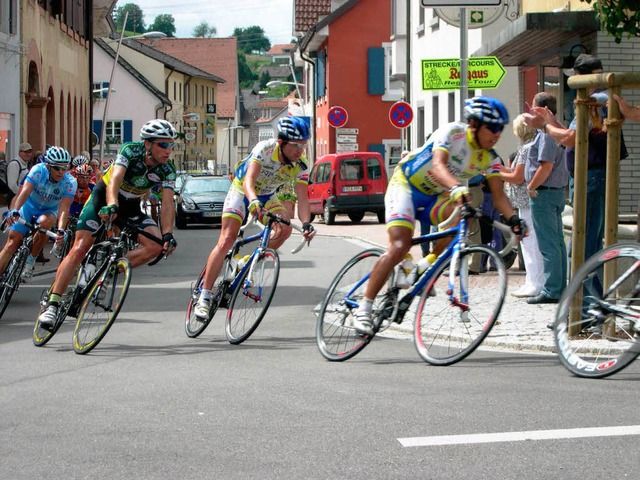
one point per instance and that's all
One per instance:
(164, 144)
(299, 146)
(86, 177)
(59, 169)
(494, 128)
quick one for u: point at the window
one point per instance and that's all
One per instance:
(114, 132)
(374, 169)
(9, 17)
(451, 100)
(351, 169)
(392, 88)
(435, 113)
(420, 130)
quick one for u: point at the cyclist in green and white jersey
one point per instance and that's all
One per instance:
(138, 167)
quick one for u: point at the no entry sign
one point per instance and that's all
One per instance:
(337, 117)
(400, 114)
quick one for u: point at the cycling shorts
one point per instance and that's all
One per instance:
(404, 204)
(236, 204)
(29, 213)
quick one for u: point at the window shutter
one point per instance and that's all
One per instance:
(105, 89)
(127, 131)
(97, 129)
(320, 75)
(377, 147)
(376, 70)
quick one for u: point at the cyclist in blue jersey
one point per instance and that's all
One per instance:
(46, 196)
(433, 177)
(272, 163)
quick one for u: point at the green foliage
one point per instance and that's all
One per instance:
(135, 20)
(245, 74)
(251, 39)
(264, 79)
(204, 30)
(164, 23)
(619, 18)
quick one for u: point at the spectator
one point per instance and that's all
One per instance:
(626, 109)
(517, 193)
(17, 169)
(546, 176)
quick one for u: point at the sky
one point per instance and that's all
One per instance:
(274, 16)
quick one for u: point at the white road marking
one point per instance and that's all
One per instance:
(520, 436)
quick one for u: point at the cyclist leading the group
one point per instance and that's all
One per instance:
(46, 195)
(137, 168)
(433, 177)
(271, 164)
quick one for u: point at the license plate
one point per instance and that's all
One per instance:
(356, 188)
(211, 214)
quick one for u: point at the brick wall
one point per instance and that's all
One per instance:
(625, 57)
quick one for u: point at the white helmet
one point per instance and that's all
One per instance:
(157, 129)
(57, 156)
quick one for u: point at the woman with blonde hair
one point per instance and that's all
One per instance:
(516, 188)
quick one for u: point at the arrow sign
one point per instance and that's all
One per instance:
(400, 114)
(337, 117)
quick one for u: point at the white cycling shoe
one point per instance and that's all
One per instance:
(362, 323)
(201, 310)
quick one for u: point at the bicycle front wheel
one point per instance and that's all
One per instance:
(251, 298)
(600, 334)
(194, 326)
(11, 278)
(101, 306)
(335, 335)
(453, 319)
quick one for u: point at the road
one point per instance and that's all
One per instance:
(150, 403)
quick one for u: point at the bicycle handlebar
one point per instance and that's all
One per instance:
(278, 219)
(505, 229)
(48, 233)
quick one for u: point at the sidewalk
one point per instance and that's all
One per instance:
(520, 327)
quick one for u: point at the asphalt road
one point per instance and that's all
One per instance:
(151, 403)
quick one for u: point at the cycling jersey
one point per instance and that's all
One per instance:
(139, 179)
(273, 173)
(466, 159)
(46, 195)
(80, 198)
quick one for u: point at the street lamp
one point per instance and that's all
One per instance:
(113, 70)
(228, 130)
(275, 83)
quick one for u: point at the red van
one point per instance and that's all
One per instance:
(348, 183)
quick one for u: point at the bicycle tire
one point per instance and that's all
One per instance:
(96, 314)
(606, 342)
(11, 279)
(336, 338)
(192, 326)
(447, 330)
(242, 317)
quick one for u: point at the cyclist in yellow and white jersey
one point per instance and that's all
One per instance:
(432, 177)
(272, 163)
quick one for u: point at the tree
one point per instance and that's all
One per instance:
(251, 39)
(135, 20)
(618, 17)
(245, 75)
(204, 30)
(164, 23)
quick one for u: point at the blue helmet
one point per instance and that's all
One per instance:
(293, 128)
(486, 110)
(57, 156)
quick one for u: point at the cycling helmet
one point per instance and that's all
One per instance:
(293, 128)
(486, 110)
(84, 170)
(157, 129)
(79, 160)
(57, 156)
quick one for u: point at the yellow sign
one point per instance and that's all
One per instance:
(444, 74)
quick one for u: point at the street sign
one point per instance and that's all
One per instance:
(191, 117)
(211, 108)
(337, 117)
(460, 3)
(190, 136)
(444, 74)
(347, 147)
(400, 114)
(477, 17)
(347, 131)
(340, 138)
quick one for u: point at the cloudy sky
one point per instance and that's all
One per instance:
(274, 16)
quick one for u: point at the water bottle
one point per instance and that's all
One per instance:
(86, 275)
(243, 261)
(232, 268)
(426, 262)
(406, 272)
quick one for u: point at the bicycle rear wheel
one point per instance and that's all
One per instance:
(101, 306)
(11, 278)
(606, 335)
(251, 298)
(336, 338)
(451, 324)
(192, 325)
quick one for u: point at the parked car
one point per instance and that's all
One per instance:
(348, 183)
(200, 200)
(180, 178)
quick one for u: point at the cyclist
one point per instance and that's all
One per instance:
(272, 163)
(138, 167)
(77, 161)
(432, 177)
(83, 175)
(46, 196)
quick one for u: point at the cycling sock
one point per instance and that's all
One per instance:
(366, 305)
(205, 295)
(54, 299)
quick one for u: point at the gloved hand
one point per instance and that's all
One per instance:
(308, 231)
(518, 226)
(170, 243)
(459, 193)
(108, 212)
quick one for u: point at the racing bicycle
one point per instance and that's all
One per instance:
(597, 327)
(455, 312)
(244, 289)
(100, 289)
(10, 280)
